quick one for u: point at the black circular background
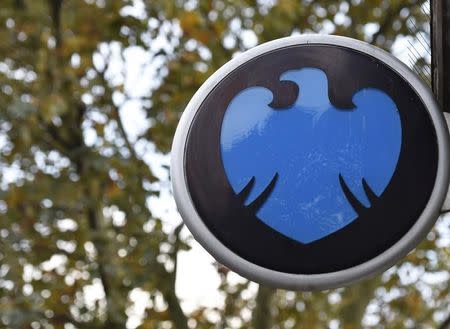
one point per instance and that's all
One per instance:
(376, 229)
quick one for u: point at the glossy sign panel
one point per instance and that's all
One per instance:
(326, 151)
(310, 162)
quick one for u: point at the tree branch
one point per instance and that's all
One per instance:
(20, 4)
(391, 15)
(261, 318)
(102, 249)
(55, 8)
(124, 135)
(445, 324)
(178, 317)
(357, 299)
(82, 169)
(140, 163)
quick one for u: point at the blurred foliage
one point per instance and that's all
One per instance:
(75, 183)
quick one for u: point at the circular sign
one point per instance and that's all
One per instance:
(311, 162)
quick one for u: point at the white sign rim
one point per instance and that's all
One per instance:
(324, 280)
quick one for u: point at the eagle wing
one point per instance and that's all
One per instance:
(244, 147)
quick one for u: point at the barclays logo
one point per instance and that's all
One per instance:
(315, 165)
(309, 159)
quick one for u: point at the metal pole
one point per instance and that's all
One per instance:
(440, 68)
(440, 44)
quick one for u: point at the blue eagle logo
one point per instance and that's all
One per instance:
(315, 158)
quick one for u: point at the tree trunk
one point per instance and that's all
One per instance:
(355, 300)
(262, 318)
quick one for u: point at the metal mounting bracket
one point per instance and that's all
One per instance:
(446, 205)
